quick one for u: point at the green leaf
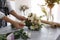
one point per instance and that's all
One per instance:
(44, 11)
(42, 16)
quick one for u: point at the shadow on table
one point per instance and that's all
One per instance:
(58, 38)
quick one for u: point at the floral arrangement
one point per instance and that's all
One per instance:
(48, 15)
(51, 3)
(33, 22)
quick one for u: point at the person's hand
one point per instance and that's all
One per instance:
(18, 25)
(22, 18)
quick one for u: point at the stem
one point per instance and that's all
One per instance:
(50, 13)
(51, 16)
(51, 23)
(24, 13)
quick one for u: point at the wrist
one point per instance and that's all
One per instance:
(12, 22)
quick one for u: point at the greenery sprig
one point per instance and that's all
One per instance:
(17, 34)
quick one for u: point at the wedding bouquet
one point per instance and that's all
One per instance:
(33, 22)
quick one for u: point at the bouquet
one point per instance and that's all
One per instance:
(33, 22)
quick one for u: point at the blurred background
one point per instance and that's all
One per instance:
(34, 7)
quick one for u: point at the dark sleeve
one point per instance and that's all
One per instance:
(6, 10)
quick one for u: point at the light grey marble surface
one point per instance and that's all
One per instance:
(46, 33)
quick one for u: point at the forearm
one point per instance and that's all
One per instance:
(17, 16)
(7, 19)
(12, 11)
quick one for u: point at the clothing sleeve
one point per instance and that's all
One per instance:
(11, 5)
(1, 15)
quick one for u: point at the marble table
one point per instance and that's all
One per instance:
(46, 33)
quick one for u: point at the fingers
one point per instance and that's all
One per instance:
(17, 26)
(22, 23)
(23, 18)
(20, 26)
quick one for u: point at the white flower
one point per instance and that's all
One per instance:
(32, 27)
(36, 26)
(29, 34)
(35, 20)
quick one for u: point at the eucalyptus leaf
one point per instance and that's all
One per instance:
(44, 11)
(42, 16)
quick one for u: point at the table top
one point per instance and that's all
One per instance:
(45, 33)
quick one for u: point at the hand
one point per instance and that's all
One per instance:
(22, 18)
(18, 25)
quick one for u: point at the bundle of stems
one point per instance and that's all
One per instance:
(53, 24)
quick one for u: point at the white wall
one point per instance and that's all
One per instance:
(58, 14)
(22, 2)
(32, 4)
(16, 4)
